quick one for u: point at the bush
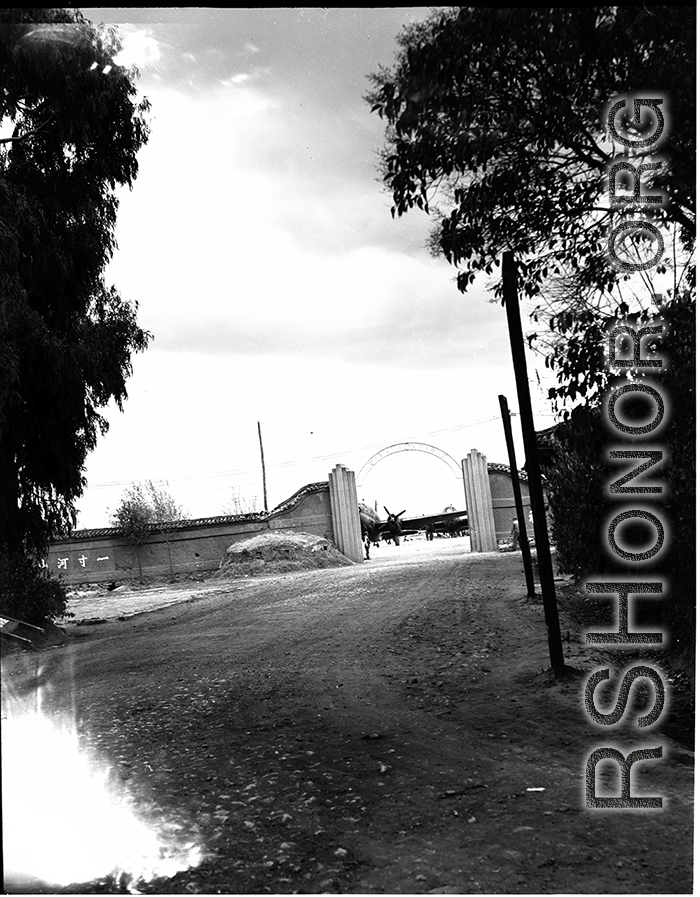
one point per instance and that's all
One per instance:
(27, 593)
(581, 470)
(576, 494)
(679, 379)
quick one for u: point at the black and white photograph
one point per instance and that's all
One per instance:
(347, 450)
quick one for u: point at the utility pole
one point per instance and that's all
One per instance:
(519, 510)
(262, 461)
(539, 517)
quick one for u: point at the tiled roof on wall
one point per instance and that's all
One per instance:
(505, 468)
(110, 531)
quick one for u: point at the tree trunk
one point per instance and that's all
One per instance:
(170, 556)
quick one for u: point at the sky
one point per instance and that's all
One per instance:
(259, 246)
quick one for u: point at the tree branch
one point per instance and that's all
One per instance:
(27, 134)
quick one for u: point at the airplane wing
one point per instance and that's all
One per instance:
(439, 521)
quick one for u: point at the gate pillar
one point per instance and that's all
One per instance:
(477, 491)
(345, 512)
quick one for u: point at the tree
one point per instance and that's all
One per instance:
(495, 119)
(496, 127)
(165, 512)
(71, 131)
(132, 519)
(144, 509)
(164, 509)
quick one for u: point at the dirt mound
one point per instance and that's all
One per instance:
(280, 552)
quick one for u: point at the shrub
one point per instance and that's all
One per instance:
(582, 469)
(28, 593)
(576, 494)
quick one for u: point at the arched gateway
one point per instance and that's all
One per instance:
(487, 490)
(408, 447)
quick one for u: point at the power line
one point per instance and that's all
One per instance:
(252, 470)
(374, 445)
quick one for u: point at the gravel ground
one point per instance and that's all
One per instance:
(390, 727)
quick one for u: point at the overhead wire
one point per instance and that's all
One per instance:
(298, 462)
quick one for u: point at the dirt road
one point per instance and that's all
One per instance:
(374, 728)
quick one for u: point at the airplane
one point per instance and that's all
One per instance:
(374, 529)
(448, 523)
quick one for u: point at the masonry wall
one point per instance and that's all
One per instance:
(504, 502)
(94, 556)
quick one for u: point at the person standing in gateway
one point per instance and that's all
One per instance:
(515, 535)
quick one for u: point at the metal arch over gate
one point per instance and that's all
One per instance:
(408, 447)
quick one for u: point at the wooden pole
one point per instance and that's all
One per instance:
(262, 461)
(539, 517)
(517, 495)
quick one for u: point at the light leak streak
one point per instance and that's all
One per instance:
(63, 822)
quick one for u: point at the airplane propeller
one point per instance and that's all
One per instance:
(389, 514)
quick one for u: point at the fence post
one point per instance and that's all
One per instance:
(544, 554)
(517, 497)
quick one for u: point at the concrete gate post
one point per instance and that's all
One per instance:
(477, 491)
(345, 512)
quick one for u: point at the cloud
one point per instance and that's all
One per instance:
(230, 238)
(310, 66)
(212, 278)
(367, 306)
(260, 248)
(344, 44)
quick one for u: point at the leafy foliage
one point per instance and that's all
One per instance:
(144, 509)
(680, 444)
(66, 338)
(27, 593)
(582, 470)
(133, 515)
(495, 121)
(496, 127)
(576, 494)
(164, 509)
